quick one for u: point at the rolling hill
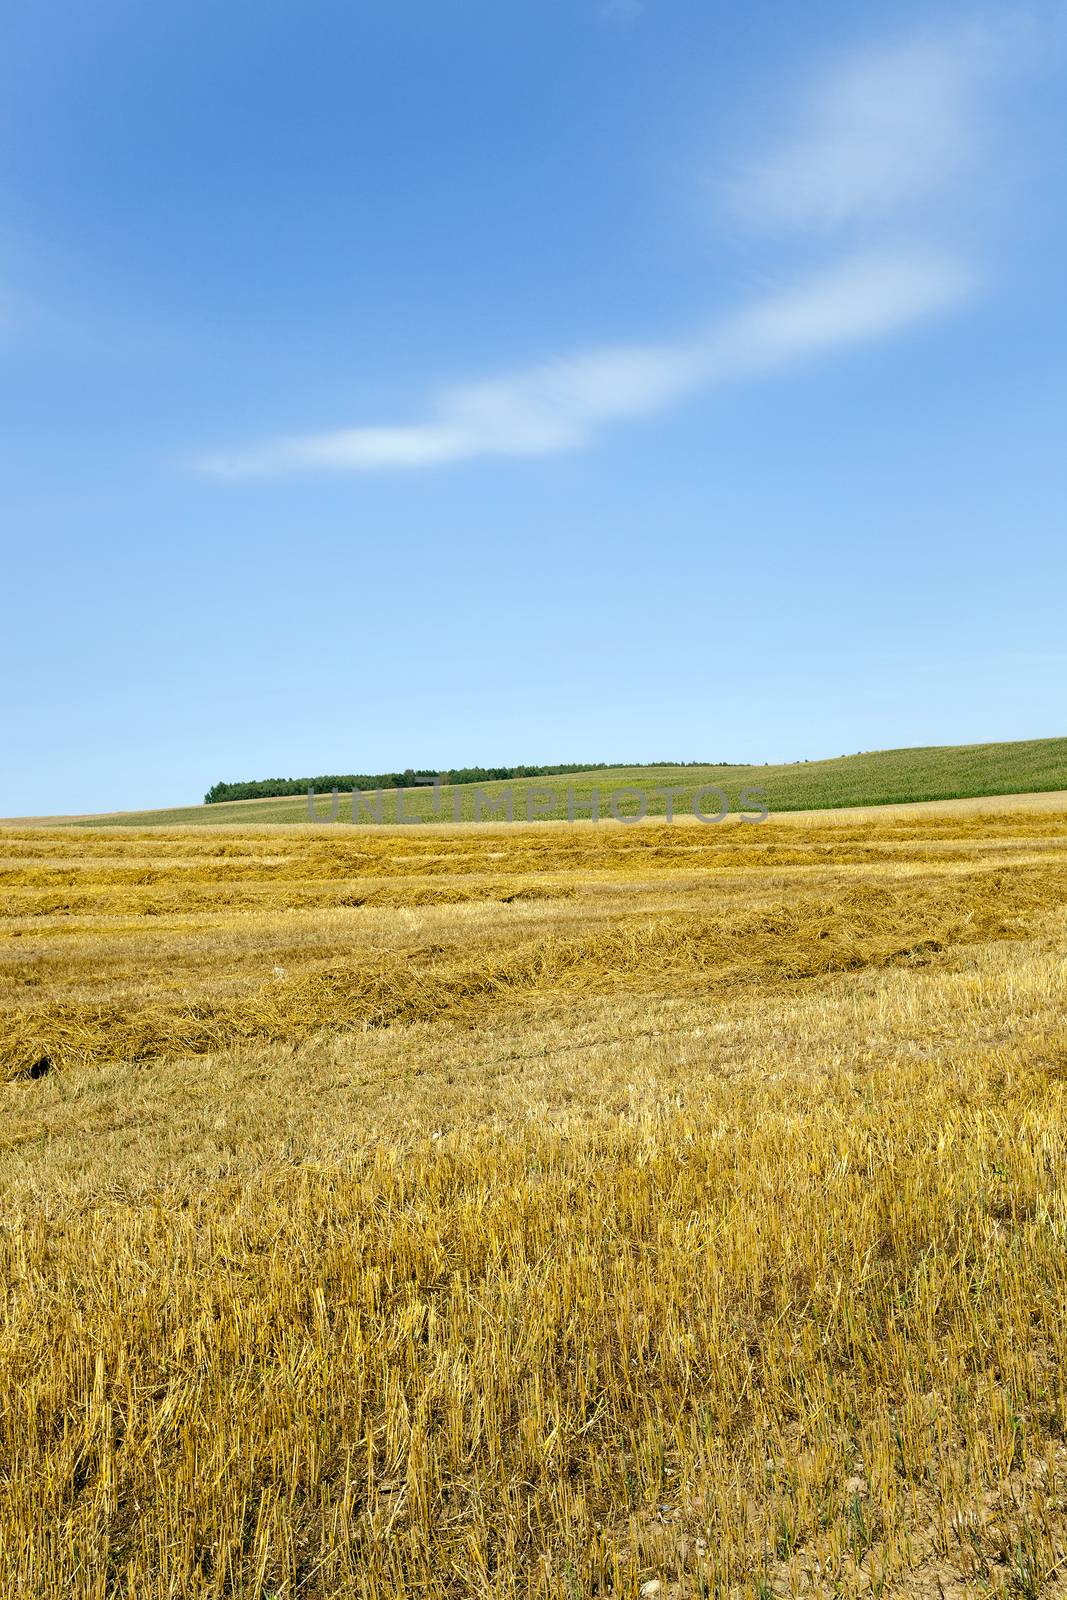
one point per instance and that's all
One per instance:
(878, 777)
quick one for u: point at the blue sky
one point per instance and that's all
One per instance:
(438, 384)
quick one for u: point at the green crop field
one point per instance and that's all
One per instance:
(879, 777)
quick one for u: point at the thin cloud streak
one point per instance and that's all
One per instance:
(882, 137)
(887, 129)
(563, 404)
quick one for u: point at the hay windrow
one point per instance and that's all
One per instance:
(698, 1223)
(862, 926)
(166, 898)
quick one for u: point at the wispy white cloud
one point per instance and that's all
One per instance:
(563, 404)
(877, 139)
(885, 130)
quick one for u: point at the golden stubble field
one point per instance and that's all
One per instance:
(551, 1211)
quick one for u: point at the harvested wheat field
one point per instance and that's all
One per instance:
(552, 1211)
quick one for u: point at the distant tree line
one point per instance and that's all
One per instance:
(325, 783)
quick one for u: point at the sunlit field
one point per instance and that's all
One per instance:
(557, 1211)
